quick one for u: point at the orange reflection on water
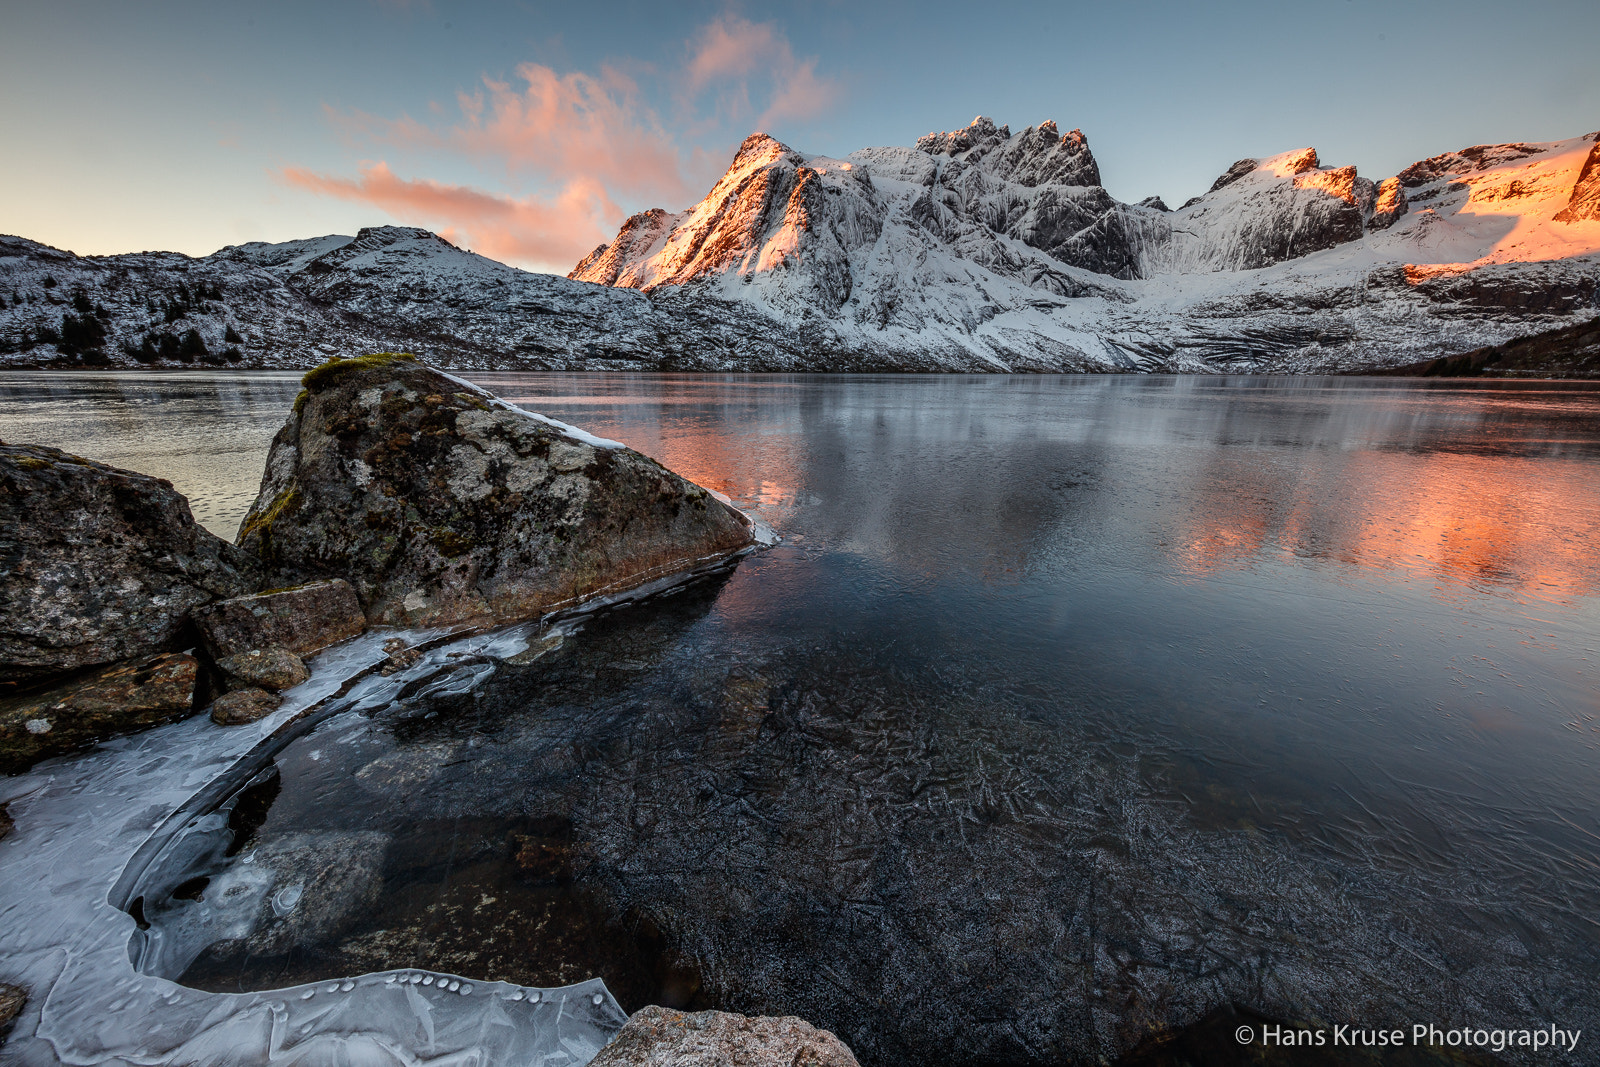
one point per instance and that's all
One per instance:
(1482, 523)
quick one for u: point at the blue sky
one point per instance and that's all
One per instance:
(528, 130)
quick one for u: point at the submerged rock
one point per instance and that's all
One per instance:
(243, 706)
(321, 882)
(659, 1037)
(6, 825)
(98, 565)
(128, 696)
(443, 504)
(300, 619)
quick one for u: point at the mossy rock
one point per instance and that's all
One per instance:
(441, 504)
(321, 377)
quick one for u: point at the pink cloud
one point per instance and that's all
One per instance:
(732, 47)
(730, 50)
(802, 95)
(585, 142)
(533, 230)
(553, 124)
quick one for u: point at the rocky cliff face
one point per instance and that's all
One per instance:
(775, 214)
(1258, 213)
(440, 503)
(1584, 203)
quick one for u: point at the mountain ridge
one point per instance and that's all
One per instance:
(975, 249)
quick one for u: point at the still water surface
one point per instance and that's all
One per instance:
(1069, 707)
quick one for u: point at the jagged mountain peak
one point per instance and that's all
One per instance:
(761, 149)
(640, 236)
(1297, 161)
(774, 210)
(981, 134)
(962, 237)
(1039, 155)
(1282, 165)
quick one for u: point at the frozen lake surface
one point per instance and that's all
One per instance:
(1068, 707)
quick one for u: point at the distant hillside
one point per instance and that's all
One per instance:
(1569, 352)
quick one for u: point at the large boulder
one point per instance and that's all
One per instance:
(660, 1037)
(98, 565)
(441, 503)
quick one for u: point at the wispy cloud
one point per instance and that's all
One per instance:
(572, 147)
(553, 230)
(730, 52)
(556, 125)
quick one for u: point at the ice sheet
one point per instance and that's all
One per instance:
(93, 828)
(570, 431)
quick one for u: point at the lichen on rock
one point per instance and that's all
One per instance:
(271, 668)
(441, 504)
(299, 618)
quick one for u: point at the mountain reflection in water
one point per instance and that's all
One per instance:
(1069, 710)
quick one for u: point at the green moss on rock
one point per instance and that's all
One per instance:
(321, 377)
(282, 504)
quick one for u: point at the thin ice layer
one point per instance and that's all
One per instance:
(79, 821)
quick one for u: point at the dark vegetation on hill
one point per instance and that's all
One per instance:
(1566, 352)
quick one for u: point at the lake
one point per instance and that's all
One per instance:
(1068, 709)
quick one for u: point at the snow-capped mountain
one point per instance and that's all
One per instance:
(997, 248)
(977, 249)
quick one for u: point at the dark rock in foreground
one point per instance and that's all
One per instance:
(301, 619)
(98, 565)
(442, 504)
(126, 697)
(661, 1037)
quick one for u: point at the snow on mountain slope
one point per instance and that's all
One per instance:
(1256, 214)
(986, 248)
(976, 249)
(145, 306)
(415, 281)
